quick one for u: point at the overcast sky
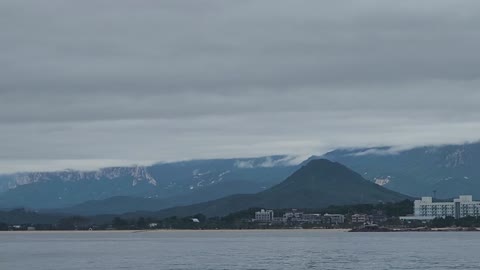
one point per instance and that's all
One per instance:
(92, 83)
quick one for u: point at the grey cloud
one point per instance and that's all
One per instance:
(93, 82)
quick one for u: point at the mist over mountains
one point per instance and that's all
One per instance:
(441, 171)
(318, 183)
(446, 171)
(191, 180)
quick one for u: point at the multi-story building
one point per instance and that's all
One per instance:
(359, 218)
(377, 218)
(296, 217)
(466, 207)
(335, 218)
(312, 218)
(293, 216)
(426, 209)
(264, 215)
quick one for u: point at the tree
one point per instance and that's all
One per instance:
(141, 223)
(73, 223)
(119, 223)
(442, 222)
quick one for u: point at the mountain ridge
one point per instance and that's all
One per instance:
(443, 171)
(163, 180)
(318, 184)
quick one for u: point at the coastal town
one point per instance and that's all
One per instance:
(296, 217)
(425, 210)
(427, 213)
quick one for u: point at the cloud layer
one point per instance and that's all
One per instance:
(85, 84)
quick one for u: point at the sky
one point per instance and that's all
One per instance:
(95, 83)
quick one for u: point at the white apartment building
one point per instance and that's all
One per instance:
(426, 209)
(335, 218)
(264, 215)
(293, 216)
(359, 218)
(312, 218)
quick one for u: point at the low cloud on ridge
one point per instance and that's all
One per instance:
(99, 83)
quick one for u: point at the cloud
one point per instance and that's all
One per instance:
(244, 164)
(269, 162)
(92, 83)
(378, 151)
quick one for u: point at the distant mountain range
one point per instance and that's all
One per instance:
(123, 204)
(448, 170)
(181, 182)
(441, 171)
(318, 184)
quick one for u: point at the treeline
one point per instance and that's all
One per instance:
(397, 209)
(450, 222)
(242, 219)
(237, 220)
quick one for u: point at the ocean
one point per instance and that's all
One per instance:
(269, 249)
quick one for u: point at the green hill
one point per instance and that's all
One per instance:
(318, 184)
(124, 204)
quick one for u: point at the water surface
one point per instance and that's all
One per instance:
(294, 249)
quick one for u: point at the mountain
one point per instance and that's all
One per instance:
(319, 183)
(124, 204)
(182, 182)
(22, 216)
(449, 170)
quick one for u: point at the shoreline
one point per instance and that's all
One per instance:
(175, 230)
(402, 230)
(420, 229)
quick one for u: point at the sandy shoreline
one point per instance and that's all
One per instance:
(175, 231)
(166, 231)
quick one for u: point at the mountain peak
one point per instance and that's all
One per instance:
(322, 163)
(319, 175)
(319, 183)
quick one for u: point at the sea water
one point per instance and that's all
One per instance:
(282, 249)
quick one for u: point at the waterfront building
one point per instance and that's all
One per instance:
(312, 218)
(334, 218)
(426, 209)
(277, 220)
(293, 216)
(296, 217)
(264, 215)
(359, 218)
(377, 218)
